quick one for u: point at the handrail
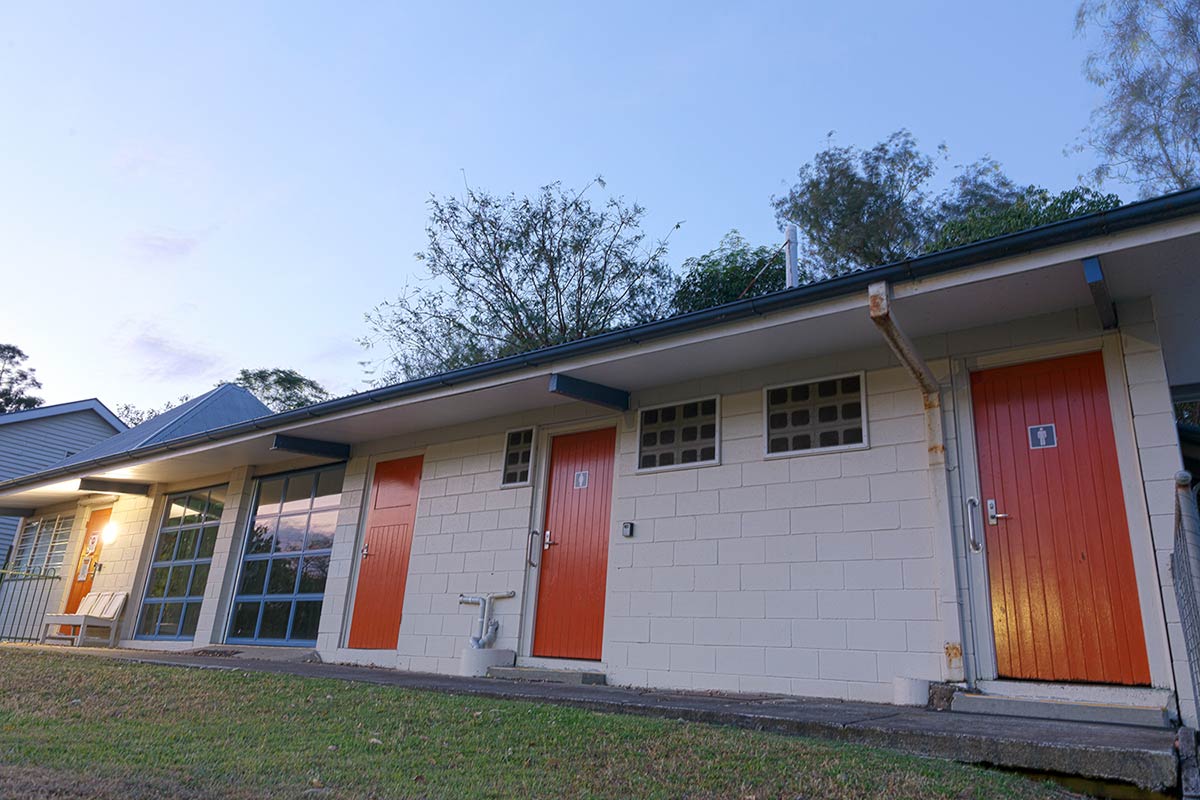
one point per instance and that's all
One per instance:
(1185, 564)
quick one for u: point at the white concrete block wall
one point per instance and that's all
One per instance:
(807, 575)
(469, 536)
(1160, 458)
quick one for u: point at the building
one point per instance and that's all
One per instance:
(956, 468)
(37, 438)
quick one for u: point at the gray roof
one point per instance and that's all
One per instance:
(228, 404)
(41, 412)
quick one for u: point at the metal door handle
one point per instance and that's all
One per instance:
(992, 514)
(364, 552)
(546, 544)
(972, 504)
(533, 538)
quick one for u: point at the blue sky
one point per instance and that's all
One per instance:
(188, 189)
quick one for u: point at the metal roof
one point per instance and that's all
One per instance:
(41, 412)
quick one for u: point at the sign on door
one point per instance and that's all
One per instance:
(1042, 437)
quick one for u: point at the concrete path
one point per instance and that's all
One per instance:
(1145, 757)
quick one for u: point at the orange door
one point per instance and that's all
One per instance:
(383, 564)
(89, 558)
(1060, 564)
(570, 604)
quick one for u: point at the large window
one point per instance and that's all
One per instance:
(42, 546)
(286, 560)
(179, 572)
(818, 415)
(684, 434)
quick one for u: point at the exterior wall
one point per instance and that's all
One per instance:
(810, 574)
(1159, 457)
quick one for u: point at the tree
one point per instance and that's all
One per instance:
(859, 208)
(281, 389)
(278, 389)
(731, 271)
(1147, 131)
(1034, 207)
(133, 415)
(16, 381)
(862, 208)
(512, 274)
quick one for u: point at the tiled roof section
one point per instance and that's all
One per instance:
(227, 404)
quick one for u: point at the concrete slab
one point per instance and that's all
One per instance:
(577, 677)
(1108, 713)
(1144, 757)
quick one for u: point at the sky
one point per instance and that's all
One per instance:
(187, 189)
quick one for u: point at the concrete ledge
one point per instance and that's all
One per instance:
(573, 677)
(1107, 713)
(1144, 757)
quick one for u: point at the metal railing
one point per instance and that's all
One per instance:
(1185, 570)
(24, 598)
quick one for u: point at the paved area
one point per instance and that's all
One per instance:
(1144, 757)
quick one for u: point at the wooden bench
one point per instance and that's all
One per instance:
(96, 610)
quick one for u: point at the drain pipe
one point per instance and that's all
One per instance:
(486, 628)
(879, 296)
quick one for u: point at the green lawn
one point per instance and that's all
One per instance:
(79, 726)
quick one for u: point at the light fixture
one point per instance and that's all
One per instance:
(108, 534)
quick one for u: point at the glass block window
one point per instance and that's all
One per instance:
(518, 457)
(676, 435)
(42, 546)
(281, 586)
(180, 563)
(817, 415)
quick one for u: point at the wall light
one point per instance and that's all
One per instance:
(108, 534)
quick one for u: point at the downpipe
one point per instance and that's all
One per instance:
(879, 304)
(486, 628)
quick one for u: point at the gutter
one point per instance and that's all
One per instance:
(1147, 212)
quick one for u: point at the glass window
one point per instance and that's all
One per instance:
(816, 416)
(42, 545)
(179, 572)
(286, 559)
(678, 435)
(518, 457)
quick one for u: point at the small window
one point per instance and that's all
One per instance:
(679, 435)
(518, 457)
(819, 415)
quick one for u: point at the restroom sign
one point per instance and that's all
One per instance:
(581, 479)
(1042, 437)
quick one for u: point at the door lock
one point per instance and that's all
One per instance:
(548, 542)
(365, 552)
(992, 514)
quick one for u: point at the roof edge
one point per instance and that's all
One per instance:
(71, 407)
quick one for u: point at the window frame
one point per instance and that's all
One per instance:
(192, 563)
(715, 462)
(865, 444)
(45, 568)
(264, 597)
(533, 446)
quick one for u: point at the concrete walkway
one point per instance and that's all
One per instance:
(1145, 757)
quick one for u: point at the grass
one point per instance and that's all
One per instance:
(86, 727)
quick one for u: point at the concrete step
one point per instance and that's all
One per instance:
(574, 677)
(1061, 710)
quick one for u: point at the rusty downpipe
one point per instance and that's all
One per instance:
(880, 305)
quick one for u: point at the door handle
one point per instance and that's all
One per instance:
(364, 552)
(992, 514)
(548, 542)
(534, 536)
(973, 540)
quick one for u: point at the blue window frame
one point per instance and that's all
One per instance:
(281, 584)
(180, 563)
